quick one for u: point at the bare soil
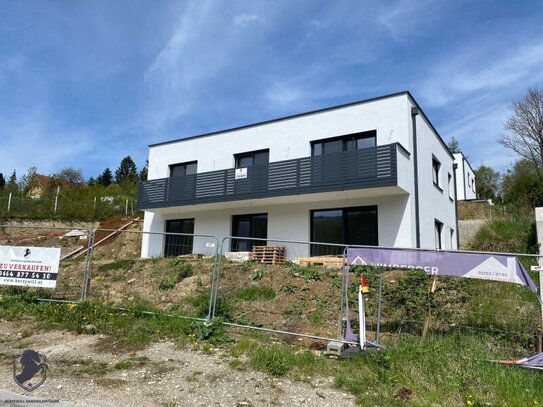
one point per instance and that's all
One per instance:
(160, 375)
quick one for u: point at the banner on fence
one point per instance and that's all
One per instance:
(29, 266)
(470, 265)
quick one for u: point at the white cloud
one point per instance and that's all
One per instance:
(406, 17)
(243, 20)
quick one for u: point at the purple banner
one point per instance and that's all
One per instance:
(469, 265)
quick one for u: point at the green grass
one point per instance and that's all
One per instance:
(116, 265)
(255, 293)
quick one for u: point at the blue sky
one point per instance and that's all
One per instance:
(85, 83)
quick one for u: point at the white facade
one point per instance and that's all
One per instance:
(395, 119)
(465, 178)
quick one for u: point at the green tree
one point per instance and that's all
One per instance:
(29, 181)
(12, 185)
(144, 171)
(522, 185)
(454, 146)
(488, 182)
(70, 176)
(127, 172)
(525, 130)
(2, 181)
(105, 179)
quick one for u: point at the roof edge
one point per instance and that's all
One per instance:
(359, 102)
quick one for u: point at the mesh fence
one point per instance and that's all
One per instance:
(72, 243)
(277, 285)
(174, 274)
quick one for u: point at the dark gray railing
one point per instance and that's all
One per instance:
(365, 168)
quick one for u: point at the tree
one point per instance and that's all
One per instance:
(12, 182)
(522, 185)
(144, 171)
(525, 129)
(29, 181)
(2, 181)
(454, 146)
(70, 176)
(488, 182)
(127, 172)
(105, 179)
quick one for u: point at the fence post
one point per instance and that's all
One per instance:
(88, 264)
(539, 228)
(126, 208)
(56, 199)
(9, 201)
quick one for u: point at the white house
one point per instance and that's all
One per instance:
(373, 172)
(465, 178)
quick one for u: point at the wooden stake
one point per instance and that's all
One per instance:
(428, 319)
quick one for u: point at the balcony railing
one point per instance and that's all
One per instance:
(364, 168)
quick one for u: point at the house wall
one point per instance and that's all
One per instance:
(288, 138)
(465, 178)
(285, 221)
(434, 203)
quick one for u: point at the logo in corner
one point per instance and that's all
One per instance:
(29, 369)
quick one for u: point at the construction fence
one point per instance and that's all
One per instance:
(301, 290)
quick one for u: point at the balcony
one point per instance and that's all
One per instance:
(365, 168)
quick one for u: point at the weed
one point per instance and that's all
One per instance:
(307, 272)
(259, 274)
(276, 360)
(236, 364)
(116, 265)
(289, 288)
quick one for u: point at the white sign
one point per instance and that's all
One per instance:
(241, 173)
(29, 266)
(210, 244)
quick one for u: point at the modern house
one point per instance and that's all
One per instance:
(373, 172)
(465, 178)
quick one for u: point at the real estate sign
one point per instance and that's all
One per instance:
(29, 266)
(470, 265)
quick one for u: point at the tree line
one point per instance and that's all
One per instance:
(125, 178)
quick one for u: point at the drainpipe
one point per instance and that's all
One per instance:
(455, 167)
(414, 114)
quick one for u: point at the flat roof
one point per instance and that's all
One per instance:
(359, 102)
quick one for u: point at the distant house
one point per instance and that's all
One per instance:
(465, 179)
(44, 184)
(374, 172)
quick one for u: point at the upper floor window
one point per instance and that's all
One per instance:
(252, 158)
(187, 168)
(436, 169)
(348, 142)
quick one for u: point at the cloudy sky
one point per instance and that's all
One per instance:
(84, 83)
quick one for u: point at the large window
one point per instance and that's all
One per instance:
(252, 158)
(188, 168)
(255, 226)
(344, 143)
(176, 245)
(343, 226)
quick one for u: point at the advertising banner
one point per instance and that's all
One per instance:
(469, 265)
(29, 266)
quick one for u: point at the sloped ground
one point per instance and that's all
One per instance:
(162, 374)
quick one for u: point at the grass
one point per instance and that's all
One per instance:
(255, 293)
(116, 265)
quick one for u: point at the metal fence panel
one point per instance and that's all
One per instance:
(72, 268)
(174, 275)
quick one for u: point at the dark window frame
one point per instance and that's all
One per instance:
(436, 173)
(252, 154)
(345, 140)
(235, 242)
(345, 227)
(188, 239)
(184, 165)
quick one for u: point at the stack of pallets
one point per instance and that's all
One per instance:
(268, 254)
(326, 261)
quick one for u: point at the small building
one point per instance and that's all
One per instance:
(465, 179)
(373, 172)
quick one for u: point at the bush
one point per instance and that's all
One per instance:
(514, 235)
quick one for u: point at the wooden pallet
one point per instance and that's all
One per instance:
(326, 261)
(273, 255)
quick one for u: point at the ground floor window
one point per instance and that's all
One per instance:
(438, 228)
(343, 226)
(175, 245)
(255, 225)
